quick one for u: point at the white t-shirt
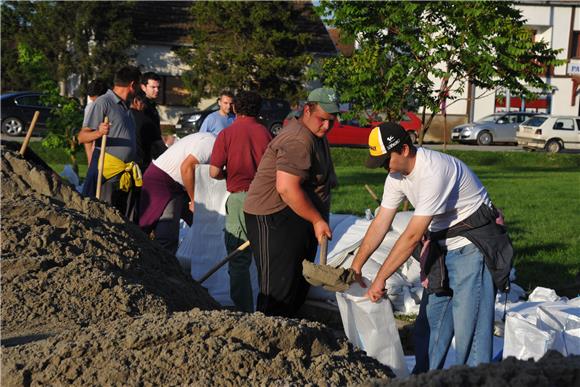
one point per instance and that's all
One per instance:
(199, 145)
(440, 186)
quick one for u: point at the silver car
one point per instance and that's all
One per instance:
(498, 127)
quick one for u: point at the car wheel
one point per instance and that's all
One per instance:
(484, 138)
(12, 126)
(553, 146)
(275, 128)
(413, 136)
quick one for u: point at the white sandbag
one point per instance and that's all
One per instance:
(371, 327)
(559, 318)
(541, 294)
(524, 340)
(203, 244)
(572, 341)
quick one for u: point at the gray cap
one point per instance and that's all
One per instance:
(326, 98)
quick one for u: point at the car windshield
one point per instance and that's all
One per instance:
(490, 118)
(535, 121)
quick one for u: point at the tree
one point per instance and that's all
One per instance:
(83, 39)
(424, 53)
(246, 46)
(44, 43)
(66, 115)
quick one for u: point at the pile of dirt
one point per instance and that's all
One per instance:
(88, 299)
(68, 261)
(193, 348)
(552, 370)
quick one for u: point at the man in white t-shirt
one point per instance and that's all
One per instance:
(168, 186)
(444, 192)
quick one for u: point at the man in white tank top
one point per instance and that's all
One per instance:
(444, 192)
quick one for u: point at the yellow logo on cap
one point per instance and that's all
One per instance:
(376, 146)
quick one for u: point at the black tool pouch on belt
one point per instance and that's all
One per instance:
(491, 239)
(436, 271)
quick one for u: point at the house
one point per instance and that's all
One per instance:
(161, 28)
(556, 22)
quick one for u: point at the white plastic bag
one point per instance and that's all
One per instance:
(371, 327)
(524, 340)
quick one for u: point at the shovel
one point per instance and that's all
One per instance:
(218, 265)
(335, 279)
(29, 133)
(101, 164)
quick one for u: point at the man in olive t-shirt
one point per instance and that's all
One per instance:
(288, 204)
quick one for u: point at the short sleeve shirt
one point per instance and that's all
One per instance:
(215, 123)
(199, 145)
(121, 140)
(440, 186)
(239, 148)
(298, 152)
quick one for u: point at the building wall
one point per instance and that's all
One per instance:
(553, 25)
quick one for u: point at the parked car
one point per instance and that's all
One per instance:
(272, 114)
(551, 133)
(18, 109)
(498, 127)
(352, 133)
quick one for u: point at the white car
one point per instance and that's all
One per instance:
(552, 133)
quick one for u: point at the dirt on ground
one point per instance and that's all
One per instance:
(88, 299)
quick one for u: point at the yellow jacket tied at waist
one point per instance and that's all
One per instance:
(130, 172)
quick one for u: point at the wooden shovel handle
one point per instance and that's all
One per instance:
(101, 164)
(29, 133)
(372, 193)
(323, 250)
(218, 265)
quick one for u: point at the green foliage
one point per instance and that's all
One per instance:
(66, 113)
(87, 39)
(403, 46)
(246, 46)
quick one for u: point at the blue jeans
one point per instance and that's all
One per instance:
(468, 314)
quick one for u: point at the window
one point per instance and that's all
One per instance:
(173, 91)
(535, 121)
(564, 124)
(510, 119)
(522, 117)
(575, 48)
(29, 100)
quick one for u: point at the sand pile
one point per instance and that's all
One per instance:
(552, 370)
(88, 299)
(201, 348)
(68, 261)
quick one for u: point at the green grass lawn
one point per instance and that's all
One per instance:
(539, 194)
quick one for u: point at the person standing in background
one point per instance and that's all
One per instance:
(95, 88)
(152, 142)
(236, 155)
(222, 118)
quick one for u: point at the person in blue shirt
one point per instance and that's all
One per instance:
(218, 120)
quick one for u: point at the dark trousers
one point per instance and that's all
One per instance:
(280, 242)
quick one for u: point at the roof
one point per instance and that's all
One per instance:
(172, 20)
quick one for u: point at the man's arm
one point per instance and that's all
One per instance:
(289, 188)
(372, 239)
(87, 135)
(188, 176)
(401, 251)
(217, 173)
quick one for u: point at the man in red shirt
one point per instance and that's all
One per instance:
(235, 157)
